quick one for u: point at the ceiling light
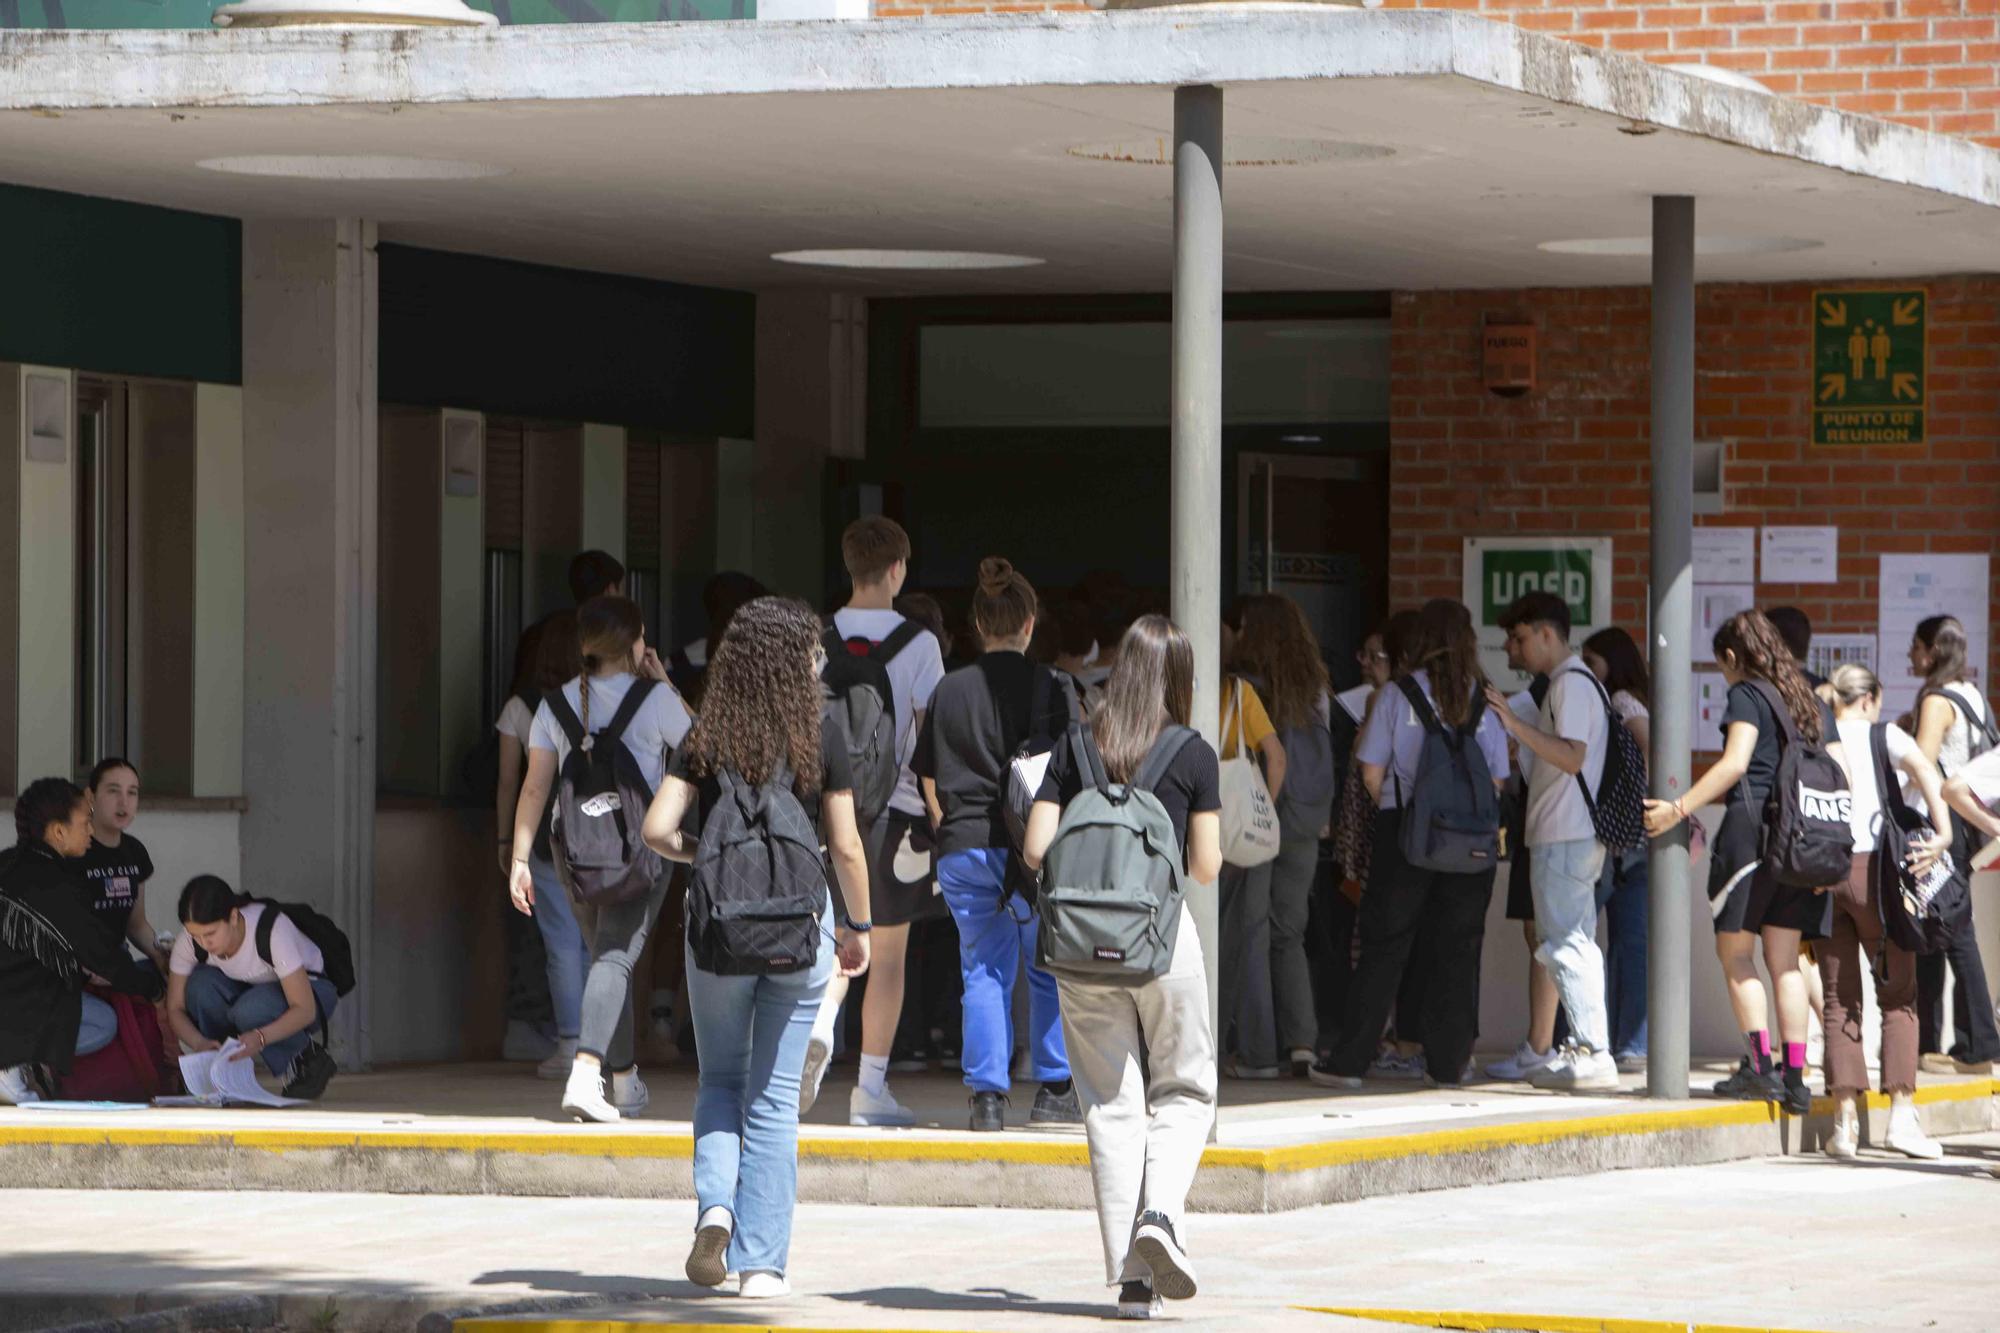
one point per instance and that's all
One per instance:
(351, 167)
(905, 259)
(1635, 246)
(352, 14)
(1241, 151)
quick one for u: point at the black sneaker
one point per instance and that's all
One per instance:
(1745, 1085)
(1136, 1300)
(1056, 1108)
(989, 1111)
(310, 1073)
(1153, 1240)
(1795, 1097)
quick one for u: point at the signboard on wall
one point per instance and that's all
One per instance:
(1499, 569)
(1868, 366)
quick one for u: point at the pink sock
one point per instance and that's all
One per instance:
(1795, 1055)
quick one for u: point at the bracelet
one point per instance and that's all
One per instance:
(1680, 810)
(858, 927)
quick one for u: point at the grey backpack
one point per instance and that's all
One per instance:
(1451, 813)
(1114, 880)
(1311, 780)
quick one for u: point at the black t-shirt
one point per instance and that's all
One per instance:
(1746, 703)
(976, 722)
(1192, 784)
(835, 774)
(115, 877)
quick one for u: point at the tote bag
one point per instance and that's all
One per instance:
(1249, 819)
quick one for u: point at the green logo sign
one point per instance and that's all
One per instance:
(1868, 367)
(1506, 574)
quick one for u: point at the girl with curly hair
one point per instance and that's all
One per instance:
(760, 708)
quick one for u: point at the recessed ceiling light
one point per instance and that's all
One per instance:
(1624, 246)
(351, 167)
(905, 259)
(1242, 151)
(352, 14)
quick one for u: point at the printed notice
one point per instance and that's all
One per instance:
(1916, 587)
(1801, 555)
(1832, 651)
(1725, 555)
(1714, 604)
(1711, 697)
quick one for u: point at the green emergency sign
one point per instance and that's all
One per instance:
(1505, 573)
(1868, 366)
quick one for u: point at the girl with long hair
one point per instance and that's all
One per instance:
(117, 865)
(1614, 658)
(760, 709)
(1746, 903)
(1408, 912)
(1144, 1055)
(1249, 1028)
(613, 657)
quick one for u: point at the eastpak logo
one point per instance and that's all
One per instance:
(1106, 954)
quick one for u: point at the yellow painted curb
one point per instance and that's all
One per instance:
(1486, 1321)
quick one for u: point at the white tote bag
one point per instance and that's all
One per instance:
(1249, 820)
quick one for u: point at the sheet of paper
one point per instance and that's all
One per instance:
(1914, 587)
(213, 1079)
(83, 1106)
(1711, 696)
(1832, 650)
(1725, 555)
(1355, 701)
(1801, 555)
(1715, 603)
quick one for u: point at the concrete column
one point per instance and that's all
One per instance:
(310, 472)
(604, 489)
(461, 645)
(44, 459)
(811, 352)
(1196, 567)
(1667, 959)
(218, 590)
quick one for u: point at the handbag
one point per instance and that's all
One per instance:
(1249, 819)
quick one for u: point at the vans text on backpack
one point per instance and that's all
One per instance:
(857, 682)
(1618, 808)
(1451, 813)
(1808, 842)
(601, 799)
(1113, 879)
(759, 883)
(1920, 913)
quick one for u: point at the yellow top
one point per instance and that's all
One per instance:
(1256, 723)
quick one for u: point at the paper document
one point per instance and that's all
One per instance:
(213, 1079)
(1355, 701)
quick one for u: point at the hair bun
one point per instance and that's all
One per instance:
(995, 574)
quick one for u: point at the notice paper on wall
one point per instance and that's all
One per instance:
(1916, 587)
(1725, 555)
(1801, 555)
(213, 1079)
(1711, 696)
(1714, 604)
(1829, 651)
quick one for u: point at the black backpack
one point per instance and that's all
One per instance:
(759, 883)
(600, 807)
(1807, 839)
(1618, 809)
(857, 682)
(335, 952)
(1451, 814)
(1924, 914)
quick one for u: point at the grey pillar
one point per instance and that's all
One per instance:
(1667, 956)
(1197, 425)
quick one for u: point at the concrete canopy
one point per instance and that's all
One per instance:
(1406, 149)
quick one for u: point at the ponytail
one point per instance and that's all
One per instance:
(1004, 602)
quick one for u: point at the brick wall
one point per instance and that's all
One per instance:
(1572, 456)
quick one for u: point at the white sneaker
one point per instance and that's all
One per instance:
(1523, 1063)
(583, 1096)
(1160, 1249)
(629, 1092)
(877, 1108)
(1392, 1064)
(1579, 1070)
(557, 1066)
(819, 1051)
(1906, 1136)
(1845, 1141)
(708, 1261)
(16, 1088)
(763, 1286)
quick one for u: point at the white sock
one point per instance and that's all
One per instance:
(823, 1023)
(874, 1074)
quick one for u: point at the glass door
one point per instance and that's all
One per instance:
(1304, 526)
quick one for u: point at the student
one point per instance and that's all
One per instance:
(1795, 628)
(1275, 648)
(116, 866)
(978, 720)
(1569, 739)
(595, 573)
(1623, 892)
(612, 641)
(1538, 1050)
(1076, 641)
(50, 941)
(876, 552)
(275, 1009)
(720, 597)
(1953, 724)
(1858, 936)
(566, 957)
(761, 708)
(1405, 907)
(1144, 1055)
(1249, 1029)
(930, 963)
(1746, 903)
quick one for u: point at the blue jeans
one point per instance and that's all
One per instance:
(996, 934)
(222, 1007)
(1623, 895)
(562, 941)
(1564, 877)
(750, 1034)
(99, 1026)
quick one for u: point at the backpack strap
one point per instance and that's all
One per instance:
(628, 708)
(1167, 747)
(267, 921)
(1981, 728)
(566, 717)
(899, 638)
(1419, 705)
(1610, 720)
(1788, 727)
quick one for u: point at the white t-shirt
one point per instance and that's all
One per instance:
(516, 721)
(290, 951)
(1854, 741)
(1573, 710)
(661, 723)
(1956, 751)
(1627, 706)
(914, 674)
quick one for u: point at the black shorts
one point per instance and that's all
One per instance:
(899, 846)
(1744, 898)
(1520, 888)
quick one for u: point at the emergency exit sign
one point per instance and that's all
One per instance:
(1868, 366)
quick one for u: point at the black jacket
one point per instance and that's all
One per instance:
(48, 942)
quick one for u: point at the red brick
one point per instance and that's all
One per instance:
(1831, 81)
(1963, 76)
(1965, 123)
(1603, 20)
(1899, 78)
(1938, 100)
(1802, 58)
(1832, 34)
(1934, 53)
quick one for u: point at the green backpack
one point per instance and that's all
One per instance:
(1114, 880)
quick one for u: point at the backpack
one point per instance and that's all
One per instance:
(759, 883)
(1114, 880)
(1030, 763)
(335, 952)
(600, 807)
(1807, 839)
(1618, 809)
(133, 1068)
(1451, 814)
(1311, 776)
(1985, 732)
(1921, 915)
(857, 680)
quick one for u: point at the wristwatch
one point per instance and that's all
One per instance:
(858, 927)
